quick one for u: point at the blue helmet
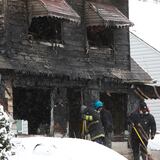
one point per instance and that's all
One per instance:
(98, 104)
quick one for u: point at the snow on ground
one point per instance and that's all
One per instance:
(155, 143)
(51, 148)
(40, 148)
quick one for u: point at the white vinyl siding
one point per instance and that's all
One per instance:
(148, 58)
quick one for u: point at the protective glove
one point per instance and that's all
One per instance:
(139, 125)
(152, 136)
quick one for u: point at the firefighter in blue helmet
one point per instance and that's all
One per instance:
(93, 124)
(98, 104)
(107, 122)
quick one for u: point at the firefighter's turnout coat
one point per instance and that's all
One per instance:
(93, 123)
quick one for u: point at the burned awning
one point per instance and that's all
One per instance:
(147, 91)
(56, 8)
(101, 14)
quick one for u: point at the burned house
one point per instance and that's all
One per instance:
(56, 55)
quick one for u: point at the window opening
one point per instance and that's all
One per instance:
(46, 29)
(100, 37)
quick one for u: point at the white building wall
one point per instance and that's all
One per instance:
(148, 58)
(154, 106)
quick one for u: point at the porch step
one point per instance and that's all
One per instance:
(122, 148)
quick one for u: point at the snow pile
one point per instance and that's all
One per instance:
(40, 148)
(155, 143)
(49, 148)
(5, 134)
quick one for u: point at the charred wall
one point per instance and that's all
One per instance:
(122, 43)
(2, 27)
(121, 58)
(35, 58)
(22, 48)
(19, 42)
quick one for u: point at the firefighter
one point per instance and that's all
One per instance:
(107, 121)
(93, 124)
(145, 124)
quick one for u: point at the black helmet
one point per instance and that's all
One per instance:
(142, 106)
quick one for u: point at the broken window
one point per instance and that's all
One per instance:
(46, 29)
(100, 37)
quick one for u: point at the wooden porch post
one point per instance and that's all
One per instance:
(58, 118)
(52, 97)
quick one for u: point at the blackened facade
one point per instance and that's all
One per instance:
(61, 54)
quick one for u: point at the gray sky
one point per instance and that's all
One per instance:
(145, 16)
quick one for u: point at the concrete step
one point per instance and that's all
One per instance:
(122, 148)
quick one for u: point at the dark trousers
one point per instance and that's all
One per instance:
(100, 140)
(138, 149)
(108, 139)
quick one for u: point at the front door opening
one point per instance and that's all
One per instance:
(74, 103)
(117, 104)
(32, 105)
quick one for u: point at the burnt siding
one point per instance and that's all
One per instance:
(122, 44)
(2, 28)
(121, 58)
(18, 38)
(73, 53)
(121, 38)
(20, 47)
(17, 20)
(77, 5)
(1, 7)
(122, 54)
(73, 37)
(2, 32)
(122, 5)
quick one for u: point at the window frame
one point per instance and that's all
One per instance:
(54, 41)
(110, 31)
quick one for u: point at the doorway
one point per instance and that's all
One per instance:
(32, 105)
(74, 103)
(117, 104)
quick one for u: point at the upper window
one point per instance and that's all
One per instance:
(100, 37)
(46, 29)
